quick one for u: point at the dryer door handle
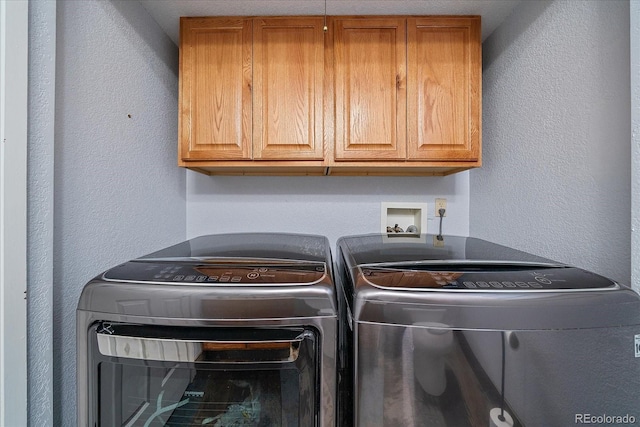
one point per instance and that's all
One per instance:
(205, 351)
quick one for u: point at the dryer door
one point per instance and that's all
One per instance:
(147, 376)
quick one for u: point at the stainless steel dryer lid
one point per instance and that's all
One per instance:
(244, 259)
(221, 278)
(298, 247)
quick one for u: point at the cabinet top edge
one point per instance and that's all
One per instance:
(255, 17)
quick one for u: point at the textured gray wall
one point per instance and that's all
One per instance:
(330, 206)
(42, 62)
(118, 191)
(548, 154)
(556, 176)
(635, 150)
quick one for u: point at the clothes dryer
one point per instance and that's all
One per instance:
(220, 330)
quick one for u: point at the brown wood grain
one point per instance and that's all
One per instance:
(444, 80)
(289, 87)
(370, 88)
(373, 95)
(216, 78)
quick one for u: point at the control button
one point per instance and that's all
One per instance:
(543, 280)
(236, 278)
(509, 284)
(212, 279)
(483, 284)
(522, 285)
(535, 285)
(469, 284)
(320, 269)
(190, 278)
(253, 275)
(201, 278)
(178, 278)
(263, 269)
(224, 278)
(496, 285)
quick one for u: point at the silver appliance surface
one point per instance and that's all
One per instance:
(465, 332)
(246, 318)
(221, 277)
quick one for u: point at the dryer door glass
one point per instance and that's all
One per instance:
(166, 376)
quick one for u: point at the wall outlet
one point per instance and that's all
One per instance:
(441, 204)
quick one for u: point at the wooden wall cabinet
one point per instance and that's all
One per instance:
(216, 70)
(251, 95)
(444, 81)
(288, 77)
(370, 96)
(370, 61)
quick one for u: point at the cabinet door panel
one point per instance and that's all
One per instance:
(215, 66)
(444, 88)
(370, 89)
(288, 88)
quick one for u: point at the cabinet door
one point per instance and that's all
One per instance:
(288, 66)
(215, 88)
(370, 88)
(444, 78)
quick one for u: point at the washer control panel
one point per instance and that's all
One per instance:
(560, 278)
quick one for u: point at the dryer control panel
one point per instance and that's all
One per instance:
(210, 273)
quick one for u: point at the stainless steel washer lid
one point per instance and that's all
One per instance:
(382, 248)
(475, 284)
(222, 277)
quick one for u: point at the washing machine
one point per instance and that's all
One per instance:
(220, 330)
(457, 331)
